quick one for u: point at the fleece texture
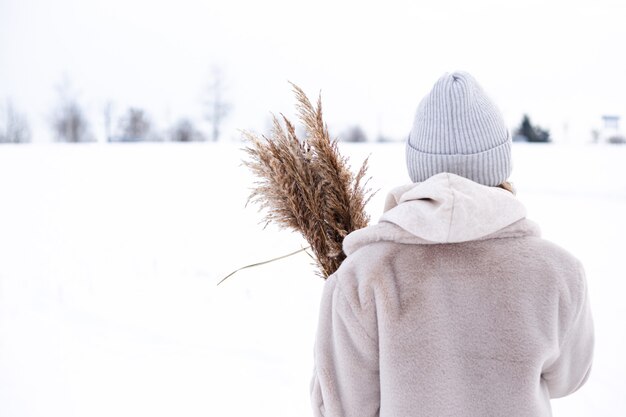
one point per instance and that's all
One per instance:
(452, 305)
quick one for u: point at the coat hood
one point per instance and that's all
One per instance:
(446, 208)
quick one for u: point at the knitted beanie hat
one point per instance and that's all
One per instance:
(458, 129)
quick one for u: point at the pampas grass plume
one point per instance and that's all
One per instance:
(304, 184)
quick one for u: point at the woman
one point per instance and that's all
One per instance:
(452, 305)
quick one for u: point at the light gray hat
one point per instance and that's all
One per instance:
(458, 129)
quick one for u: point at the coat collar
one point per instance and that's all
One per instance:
(446, 208)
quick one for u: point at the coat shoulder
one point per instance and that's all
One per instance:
(361, 272)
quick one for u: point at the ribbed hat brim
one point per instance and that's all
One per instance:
(491, 167)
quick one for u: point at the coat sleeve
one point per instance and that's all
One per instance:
(345, 379)
(571, 368)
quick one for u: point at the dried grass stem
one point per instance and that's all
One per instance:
(304, 184)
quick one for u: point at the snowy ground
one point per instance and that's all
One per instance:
(109, 256)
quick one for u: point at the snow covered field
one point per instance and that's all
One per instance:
(109, 256)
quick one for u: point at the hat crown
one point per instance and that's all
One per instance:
(458, 129)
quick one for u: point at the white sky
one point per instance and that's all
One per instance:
(563, 62)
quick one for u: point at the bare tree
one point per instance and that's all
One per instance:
(354, 134)
(107, 113)
(135, 125)
(70, 125)
(13, 126)
(217, 108)
(69, 122)
(185, 131)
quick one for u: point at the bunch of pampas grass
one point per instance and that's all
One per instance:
(304, 184)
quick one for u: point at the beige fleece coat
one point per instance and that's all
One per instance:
(452, 305)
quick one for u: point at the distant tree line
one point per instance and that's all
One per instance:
(69, 122)
(525, 132)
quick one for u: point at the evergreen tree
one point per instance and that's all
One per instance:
(532, 133)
